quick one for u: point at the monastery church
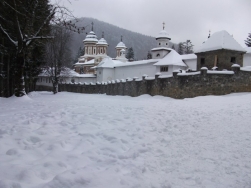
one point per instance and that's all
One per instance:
(164, 60)
(219, 52)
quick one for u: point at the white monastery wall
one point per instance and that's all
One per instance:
(135, 71)
(191, 63)
(247, 60)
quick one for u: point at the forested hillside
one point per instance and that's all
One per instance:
(141, 44)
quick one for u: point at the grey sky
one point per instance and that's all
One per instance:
(185, 19)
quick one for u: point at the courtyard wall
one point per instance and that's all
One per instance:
(179, 86)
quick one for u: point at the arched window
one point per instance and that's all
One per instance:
(157, 55)
(93, 51)
(101, 51)
(159, 43)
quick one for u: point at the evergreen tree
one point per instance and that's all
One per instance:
(248, 41)
(180, 48)
(80, 52)
(130, 54)
(24, 26)
(149, 55)
(173, 47)
(188, 47)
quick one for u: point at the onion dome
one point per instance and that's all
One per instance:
(91, 37)
(102, 41)
(163, 35)
(121, 45)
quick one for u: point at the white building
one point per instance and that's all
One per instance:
(97, 66)
(247, 57)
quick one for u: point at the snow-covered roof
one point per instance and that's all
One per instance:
(220, 40)
(163, 34)
(132, 63)
(102, 41)
(66, 72)
(121, 45)
(188, 56)
(161, 48)
(86, 63)
(108, 63)
(173, 58)
(91, 37)
(248, 49)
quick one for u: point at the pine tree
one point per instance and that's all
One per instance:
(149, 55)
(188, 47)
(130, 54)
(173, 47)
(248, 41)
(180, 48)
(80, 52)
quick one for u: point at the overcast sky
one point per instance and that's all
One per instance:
(185, 19)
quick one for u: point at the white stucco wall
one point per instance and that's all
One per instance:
(105, 74)
(161, 52)
(171, 68)
(135, 71)
(247, 59)
(191, 63)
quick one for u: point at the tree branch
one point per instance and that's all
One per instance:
(8, 36)
(42, 26)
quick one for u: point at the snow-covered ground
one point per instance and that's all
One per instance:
(74, 140)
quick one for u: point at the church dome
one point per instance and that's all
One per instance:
(102, 41)
(91, 37)
(163, 35)
(121, 45)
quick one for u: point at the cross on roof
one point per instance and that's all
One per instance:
(121, 38)
(92, 26)
(103, 34)
(163, 25)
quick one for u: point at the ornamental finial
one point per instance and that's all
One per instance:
(163, 25)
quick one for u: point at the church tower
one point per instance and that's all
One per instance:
(102, 46)
(90, 46)
(163, 45)
(119, 47)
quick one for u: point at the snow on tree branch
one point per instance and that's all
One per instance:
(8, 36)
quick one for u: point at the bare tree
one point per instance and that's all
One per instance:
(58, 55)
(23, 22)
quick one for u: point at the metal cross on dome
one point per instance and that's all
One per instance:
(92, 26)
(163, 25)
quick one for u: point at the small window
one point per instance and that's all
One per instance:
(164, 69)
(233, 60)
(166, 43)
(202, 61)
(157, 55)
(72, 80)
(101, 51)
(93, 51)
(159, 43)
